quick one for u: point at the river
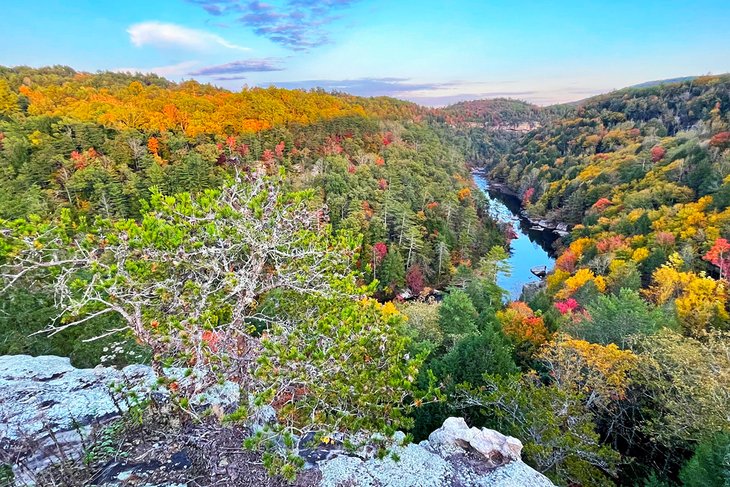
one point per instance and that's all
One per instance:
(531, 248)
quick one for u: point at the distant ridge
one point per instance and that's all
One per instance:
(669, 81)
(646, 84)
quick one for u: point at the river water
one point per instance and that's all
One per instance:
(531, 248)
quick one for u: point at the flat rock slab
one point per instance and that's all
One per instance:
(47, 407)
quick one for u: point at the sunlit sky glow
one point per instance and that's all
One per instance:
(428, 51)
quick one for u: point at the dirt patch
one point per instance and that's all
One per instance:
(163, 449)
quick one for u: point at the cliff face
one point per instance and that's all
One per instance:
(49, 411)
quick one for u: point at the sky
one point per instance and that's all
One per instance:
(429, 51)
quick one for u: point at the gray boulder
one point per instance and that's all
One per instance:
(455, 437)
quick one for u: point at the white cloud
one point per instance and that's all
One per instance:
(179, 69)
(162, 34)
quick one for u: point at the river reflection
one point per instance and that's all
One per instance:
(531, 248)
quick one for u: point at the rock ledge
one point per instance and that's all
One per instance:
(47, 406)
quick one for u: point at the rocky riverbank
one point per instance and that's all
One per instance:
(541, 224)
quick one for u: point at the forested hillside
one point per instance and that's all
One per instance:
(289, 242)
(95, 145)
(635, 312)
(486, 130)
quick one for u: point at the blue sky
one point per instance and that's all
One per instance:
(429, 51)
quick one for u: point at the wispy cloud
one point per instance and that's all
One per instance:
(229, 78)
(172, 70)
(296, 24)
(237, 67)
(216, 7)
(161, 34)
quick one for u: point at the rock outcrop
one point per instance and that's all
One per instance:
(453, 455)
(48, 407)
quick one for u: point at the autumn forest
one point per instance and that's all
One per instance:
(332, 255)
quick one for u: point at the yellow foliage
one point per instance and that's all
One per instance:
(640, 254)
(616, 265)
(389, 310)
(578, 246)
(556, 279)
(600, 371)
(8, 99)
(699, 300)
(35, 138)
(190, 107)
(577, 281)
(590, 172)
(463, 194)
(635, 214)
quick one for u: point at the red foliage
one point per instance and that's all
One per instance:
(379, 161)
(279, 150)
(602, 204)
(567, 261)
(657, 153)
(332, 146)
(721, 140)
(211, 338)
(153, 145)
(267, 156)
(79, 160)
(231, 142)
(567, 306)
(82, 159)
(610, 244)
(527, 198)
(382, 184)
(379, 251)
(719, 256)
(415, 280)
(432, 205)
(351, 169)
(388, 138)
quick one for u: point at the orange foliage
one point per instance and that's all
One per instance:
(153, 145)
(194, 109)
(520, 323)
(463, 194)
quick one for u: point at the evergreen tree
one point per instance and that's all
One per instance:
(391, 273)
(710, 464)
(457, 315)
